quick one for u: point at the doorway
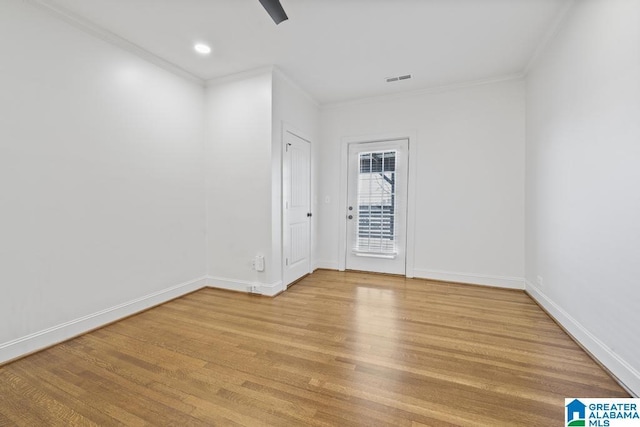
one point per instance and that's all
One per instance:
(376, 217)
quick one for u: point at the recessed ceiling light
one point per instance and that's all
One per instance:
(202, 48)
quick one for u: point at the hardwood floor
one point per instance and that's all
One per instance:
(335, 349)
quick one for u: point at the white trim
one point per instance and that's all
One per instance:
(412, 137)
(295, 85)
(287, 127)
(410, 250)
(326, 265)
(626, 375)
(241, 75)
(56, 334)
(342, 204)
(268, 289)
(273, 289)
(549, 36)
(278, 211)
(96, 30)
(393, 255)
(423, 91)
(474, 279)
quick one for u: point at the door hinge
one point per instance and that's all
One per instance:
(286, 261)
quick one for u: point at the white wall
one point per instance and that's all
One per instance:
(101, 181)
(245, 114)
(583, 180)
(238, 133)
(293, 109)
(470, 178)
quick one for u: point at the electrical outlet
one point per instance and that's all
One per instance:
(540, 282)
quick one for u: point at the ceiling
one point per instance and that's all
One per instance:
(336, 50)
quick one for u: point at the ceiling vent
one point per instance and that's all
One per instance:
(397, 78)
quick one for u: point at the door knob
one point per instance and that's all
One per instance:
(350, 217)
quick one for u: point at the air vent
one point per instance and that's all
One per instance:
(397, 78)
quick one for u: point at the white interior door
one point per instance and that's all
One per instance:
(297, 207)
(377, 206)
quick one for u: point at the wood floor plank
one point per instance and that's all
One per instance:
(337, 349)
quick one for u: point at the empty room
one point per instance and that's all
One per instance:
(319, 213)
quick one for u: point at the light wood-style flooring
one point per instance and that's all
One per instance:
(339, 349)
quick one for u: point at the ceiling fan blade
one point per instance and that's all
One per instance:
(275, 10)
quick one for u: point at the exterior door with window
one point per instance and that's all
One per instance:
(377, 206)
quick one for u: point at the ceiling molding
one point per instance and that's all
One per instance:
(295, 85)
(95, 30)
(272, 69)
(239, 76)
(549, 36)
(423, 91)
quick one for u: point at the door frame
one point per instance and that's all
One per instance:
(286, 127)
(411, 136)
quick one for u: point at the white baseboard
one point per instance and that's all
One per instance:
(56, 334)
(628, 377)
(475, 279)
(328, 265)
(268, 289)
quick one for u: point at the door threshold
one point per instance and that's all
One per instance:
(297, 280)
(376, 272)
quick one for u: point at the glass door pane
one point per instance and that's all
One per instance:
(376, 214)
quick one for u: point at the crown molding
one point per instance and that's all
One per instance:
(241, 75)
(295, 85)
(549, 36)
(423, 91)
(95, 30)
